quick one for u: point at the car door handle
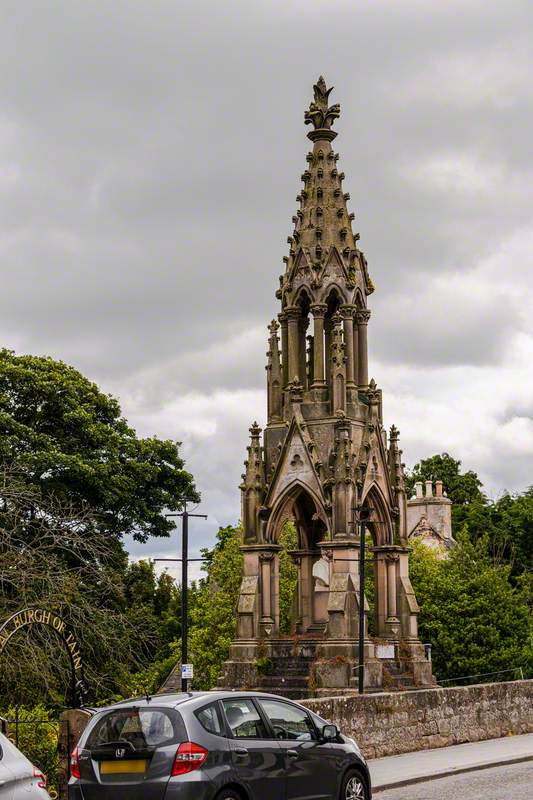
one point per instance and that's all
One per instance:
(241, 751)
(293, 753)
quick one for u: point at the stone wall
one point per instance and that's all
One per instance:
(394, 723)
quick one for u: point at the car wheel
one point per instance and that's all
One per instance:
(228, 794)
(354, 787)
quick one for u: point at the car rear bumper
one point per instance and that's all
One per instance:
(190, 791)
(177, 789)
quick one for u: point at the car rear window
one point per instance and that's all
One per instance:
(209, 718)
(137, 727)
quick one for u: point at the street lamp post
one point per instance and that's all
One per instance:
(364, 513)
(184, 582)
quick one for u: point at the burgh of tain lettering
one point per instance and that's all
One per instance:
(324, 451)
(40, 616)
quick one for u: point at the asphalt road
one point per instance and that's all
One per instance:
(514, 782)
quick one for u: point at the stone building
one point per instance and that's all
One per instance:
(429, 517)
(324, 453)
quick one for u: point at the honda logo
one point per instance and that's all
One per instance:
(120, 752)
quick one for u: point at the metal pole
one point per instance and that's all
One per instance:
(184, 592)
(361, 670)
(184, 581)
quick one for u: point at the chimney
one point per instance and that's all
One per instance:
(438, 488)
(429, 488)
(418, 489)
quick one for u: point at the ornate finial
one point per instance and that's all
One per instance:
(255, 431)
(321, 115)
(394, 434)
(273, 327)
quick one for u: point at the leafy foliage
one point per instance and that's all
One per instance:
(123, 615)
(476, 605)
(506, 523)
(476, 620)
(38, 730)
(71, 443)
(213, 615)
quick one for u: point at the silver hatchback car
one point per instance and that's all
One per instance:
(215, 746)
(19, 779)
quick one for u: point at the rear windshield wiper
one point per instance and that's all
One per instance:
(119, 743)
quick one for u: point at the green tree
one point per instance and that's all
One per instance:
(476, 620)
(512, 532)
(213, 617)
(125, 618)
(70, 442)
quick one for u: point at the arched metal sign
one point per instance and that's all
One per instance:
(41, 616)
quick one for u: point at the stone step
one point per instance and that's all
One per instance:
(393, 667)
(290, 681)
(292, 663)
(301, 669)
(290, 694)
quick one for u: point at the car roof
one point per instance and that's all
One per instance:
(191, 699)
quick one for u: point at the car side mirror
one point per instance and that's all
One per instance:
(329, 733)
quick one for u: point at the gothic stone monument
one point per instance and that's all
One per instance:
(324, 453)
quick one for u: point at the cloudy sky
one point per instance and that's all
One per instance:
(150, 156)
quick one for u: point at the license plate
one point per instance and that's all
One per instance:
(126, 767)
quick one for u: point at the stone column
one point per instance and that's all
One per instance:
(299, 599)
(293, 316)
(303, 558)
(319, 310)
(302, 351)
(380, 592)
(392, 615)
(362, 322)
(265, 561)
(347, 312)
(284, 348)
(328, 326)
(355, 335)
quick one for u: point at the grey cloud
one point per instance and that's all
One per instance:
(150, 156)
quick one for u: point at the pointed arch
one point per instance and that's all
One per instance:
(380, 525)
(333, 298)
(285, 505)
(303, 298)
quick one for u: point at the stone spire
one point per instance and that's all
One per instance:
(253, 484)
(274, 378)
(323, 221)
(254, 477)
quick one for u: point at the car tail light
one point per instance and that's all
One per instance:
(41, 776)
(189, 756)
(75, 764)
